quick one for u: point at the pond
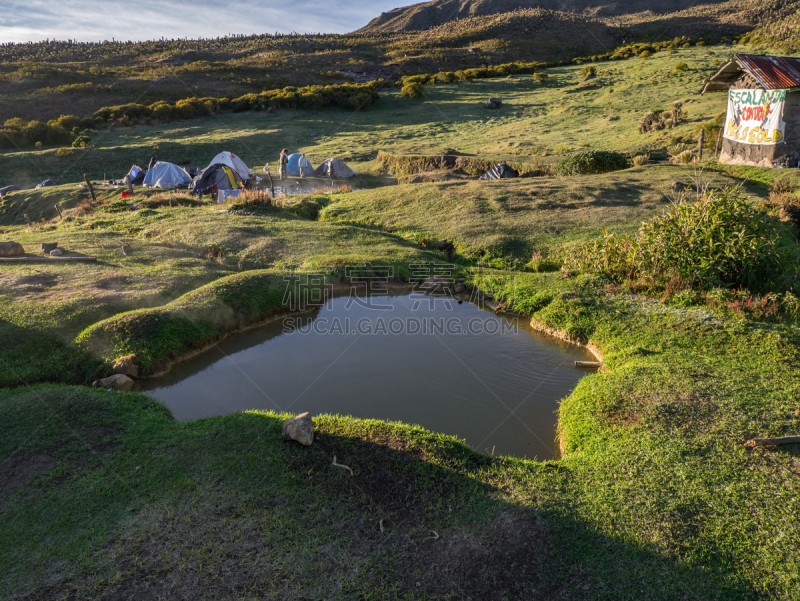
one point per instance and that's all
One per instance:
(447, 366)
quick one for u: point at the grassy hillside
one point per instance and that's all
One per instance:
(657, 496)
(538, 123)
(438, 12)
(512, 221)
(46, 80)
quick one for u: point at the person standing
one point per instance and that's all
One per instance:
(304, 165)
(284, 162)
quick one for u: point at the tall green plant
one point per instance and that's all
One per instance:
(720, 240)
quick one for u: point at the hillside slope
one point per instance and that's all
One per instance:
(437, 12)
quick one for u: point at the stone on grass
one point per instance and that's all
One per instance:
(300, 428)
(48, 247)
(11, 249)
(56, 252)
(459, 288)
(115, 382)
(126, 366)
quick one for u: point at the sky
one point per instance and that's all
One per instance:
(96, 20)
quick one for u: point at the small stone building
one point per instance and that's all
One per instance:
(762, 127)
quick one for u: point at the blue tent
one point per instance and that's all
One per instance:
(293, 168)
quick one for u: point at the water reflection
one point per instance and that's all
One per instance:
(451, 368)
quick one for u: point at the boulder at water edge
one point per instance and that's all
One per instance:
(300, 429)
(126, 366)
(115, 382)
(11, 249)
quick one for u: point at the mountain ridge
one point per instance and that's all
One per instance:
(426, 15)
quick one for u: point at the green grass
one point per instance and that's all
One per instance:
(546, 121)
(149, 258)
(510, 220)
(105, 496)
(657, 495)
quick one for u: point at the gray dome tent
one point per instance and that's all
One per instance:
(500, 171)
(48, 182)
(7, 189)
(334, 168)
(166, 175)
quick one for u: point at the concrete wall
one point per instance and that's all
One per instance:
(736, 153)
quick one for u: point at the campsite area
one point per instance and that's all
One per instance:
(655, 495)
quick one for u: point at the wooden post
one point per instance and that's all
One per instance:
(91, 189)
(701, 141)
(28, 220)
(716, 150)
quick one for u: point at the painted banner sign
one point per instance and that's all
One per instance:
(755, 116)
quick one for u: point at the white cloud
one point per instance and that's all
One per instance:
(95, 20)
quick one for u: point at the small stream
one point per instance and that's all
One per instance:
(449, 367)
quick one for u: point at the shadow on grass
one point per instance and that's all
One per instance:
(224, 508)
(30, 356)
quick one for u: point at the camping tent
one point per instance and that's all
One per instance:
(499, 172)
(334, 168)
(48, 182)
(234, 162)
(221, 176)
(135, 175)
(7, 189)
(293, 168)
(166, 175)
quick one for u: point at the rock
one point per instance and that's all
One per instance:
(459, 288)
(116, 382)
(126, 366)
(56, 252)
(589, 76)
(678, 186)
(494, 103)
(11, 249)
(300, 428)
(48, 247)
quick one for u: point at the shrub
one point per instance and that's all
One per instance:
(589, 70)
(646, 54)
(676, 149)
(64, 153)
(588, 162)
(640, 159)
(161, 111)
(127, 112)
(721, 240)
(681, 67)
(684, 158)
(411, 90)
(82, 142)
(540, 77)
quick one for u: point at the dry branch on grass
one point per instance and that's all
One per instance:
(763, 442)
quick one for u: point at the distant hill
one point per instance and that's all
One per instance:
(438, 12)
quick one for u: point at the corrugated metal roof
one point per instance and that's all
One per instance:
(772, 72)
